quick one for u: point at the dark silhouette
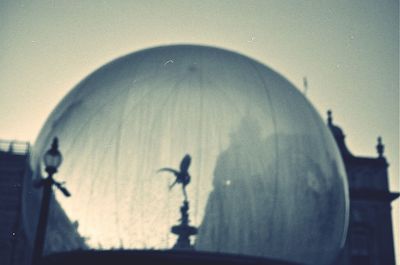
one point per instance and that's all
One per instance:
(155, 257)
(184, 230)
(370, 233)
(52, 160)
(182, 176)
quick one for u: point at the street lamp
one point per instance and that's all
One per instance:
(52, 160)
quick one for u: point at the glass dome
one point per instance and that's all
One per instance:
(266, 176)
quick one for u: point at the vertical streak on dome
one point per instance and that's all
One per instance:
(274, 122)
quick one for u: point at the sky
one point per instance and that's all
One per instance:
(349, 51)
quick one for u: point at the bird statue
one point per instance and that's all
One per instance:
(182, 176)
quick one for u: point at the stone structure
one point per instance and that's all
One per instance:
(15, 245)
(370, 234)
(14, 158)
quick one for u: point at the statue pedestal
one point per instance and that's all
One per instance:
(184, 230)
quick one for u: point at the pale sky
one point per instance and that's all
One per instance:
(349, 51)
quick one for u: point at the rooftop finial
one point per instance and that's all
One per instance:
(11, 147)
(329, 112)
(305, 85)
(380, 147)
(54, 144)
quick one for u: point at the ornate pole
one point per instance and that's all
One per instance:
(52, 160)
(43, 217)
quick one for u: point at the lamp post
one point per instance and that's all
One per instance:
(52, 160)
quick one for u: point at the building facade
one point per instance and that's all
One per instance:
(370, 233)
(14, 157)
(15, 174)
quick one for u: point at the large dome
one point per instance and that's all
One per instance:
(267, 178)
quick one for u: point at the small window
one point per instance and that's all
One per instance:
(361, 245)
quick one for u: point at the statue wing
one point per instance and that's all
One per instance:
(167, 169)
(173, 184)
(185, 163)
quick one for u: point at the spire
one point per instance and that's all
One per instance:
(11, 147)
(338, 135)
(329, 112)
(305, 85)
(380, 148)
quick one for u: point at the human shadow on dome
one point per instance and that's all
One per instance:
(272, 199)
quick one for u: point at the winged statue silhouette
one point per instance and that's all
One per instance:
(182, 176)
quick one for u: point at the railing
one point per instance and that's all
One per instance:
(14, 147)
